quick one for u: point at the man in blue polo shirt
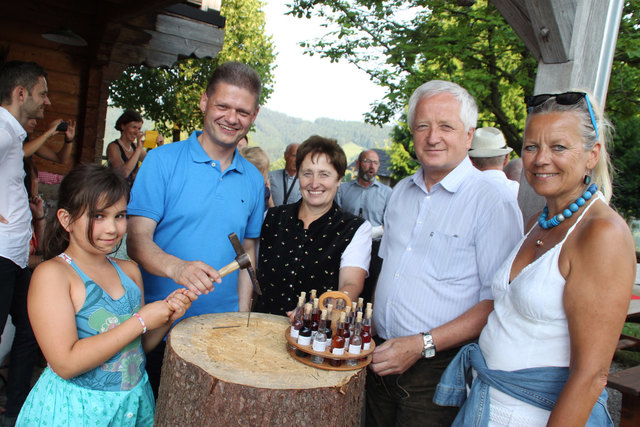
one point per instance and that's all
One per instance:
(188, 196)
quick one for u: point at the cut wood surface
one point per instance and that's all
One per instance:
(245, 376)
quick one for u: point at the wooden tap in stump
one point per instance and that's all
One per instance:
(244, 376)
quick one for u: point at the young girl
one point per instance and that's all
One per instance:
(87, 312)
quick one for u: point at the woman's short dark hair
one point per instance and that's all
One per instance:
(315, 145)
(128, 117)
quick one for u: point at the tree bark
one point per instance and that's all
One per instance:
(244, 376)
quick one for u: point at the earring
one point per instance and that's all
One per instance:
(587, 180)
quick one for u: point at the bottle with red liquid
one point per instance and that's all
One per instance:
(366, 330)
(329, 331)
(338, 341)
(304, 337)
(296, 323)
(347, 331)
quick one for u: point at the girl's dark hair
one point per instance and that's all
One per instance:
(87, 188)
(128, 117)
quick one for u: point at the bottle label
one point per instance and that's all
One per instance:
(338, 351)
(366, 346)
(319, 346)
(354, 349)
(304, 340)
(346, 342)
(294, 332)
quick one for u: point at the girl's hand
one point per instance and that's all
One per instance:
(180, 300)
(156, 314)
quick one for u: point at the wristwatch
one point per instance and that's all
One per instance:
(429, 348)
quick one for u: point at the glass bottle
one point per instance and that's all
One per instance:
(312, 296)
(355, 345)
(366, 330)
(304, 337)
(360, 306)
(315, 317)
(320, 339)
(347, 332)
(338, 341)
(296, 323)
(329, 314)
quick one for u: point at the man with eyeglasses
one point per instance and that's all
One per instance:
(367, 197)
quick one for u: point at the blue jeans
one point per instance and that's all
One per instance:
(539, 387)
(14, 284)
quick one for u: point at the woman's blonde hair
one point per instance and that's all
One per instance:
(258, 158)
(602, 172)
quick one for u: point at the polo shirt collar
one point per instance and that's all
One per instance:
(13, 123)
(198, 155)
(452, 181)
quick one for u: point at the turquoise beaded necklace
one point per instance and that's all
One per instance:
(573, 207)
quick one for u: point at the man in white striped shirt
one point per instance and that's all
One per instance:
(447, 230)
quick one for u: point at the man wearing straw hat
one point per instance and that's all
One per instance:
(489, 153)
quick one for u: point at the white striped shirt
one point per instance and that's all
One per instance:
(441, 249)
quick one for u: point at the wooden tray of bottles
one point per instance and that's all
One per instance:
(365, 355)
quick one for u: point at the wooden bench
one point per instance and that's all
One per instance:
(628, 383)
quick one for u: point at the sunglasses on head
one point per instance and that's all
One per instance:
(566, 98)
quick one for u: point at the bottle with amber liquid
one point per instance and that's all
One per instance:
(315, 318)
(355, 345)
(320, 339)
(338, 341)
(304, 337)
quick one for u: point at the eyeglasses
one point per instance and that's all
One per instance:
(566, 98)
(369, 161)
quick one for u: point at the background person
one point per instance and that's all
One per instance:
(125, 153)
(284, 186)
(37, 145)
(568, 281)
(367, 197)
(23, 96)
(489, 153)
(312, 244)
(260, 159)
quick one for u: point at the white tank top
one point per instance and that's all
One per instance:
(528, 327)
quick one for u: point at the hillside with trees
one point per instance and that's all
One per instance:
(273, 131)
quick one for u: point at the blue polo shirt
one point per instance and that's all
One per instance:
(196, 206)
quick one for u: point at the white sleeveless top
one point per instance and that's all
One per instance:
(527, 328)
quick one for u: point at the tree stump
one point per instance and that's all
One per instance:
(244, 376)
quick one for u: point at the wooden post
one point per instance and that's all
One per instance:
(244, 376)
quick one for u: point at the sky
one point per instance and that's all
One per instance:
(312, 87)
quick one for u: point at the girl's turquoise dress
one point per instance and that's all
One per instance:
(116, 393)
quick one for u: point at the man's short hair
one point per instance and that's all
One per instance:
(484, 163)
(18, 73)
(468, 107)
(315, 145)
(236, 74)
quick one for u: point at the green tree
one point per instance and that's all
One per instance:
(170, 96)
(472, 46)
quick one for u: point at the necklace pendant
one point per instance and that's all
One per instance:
(539, 243)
